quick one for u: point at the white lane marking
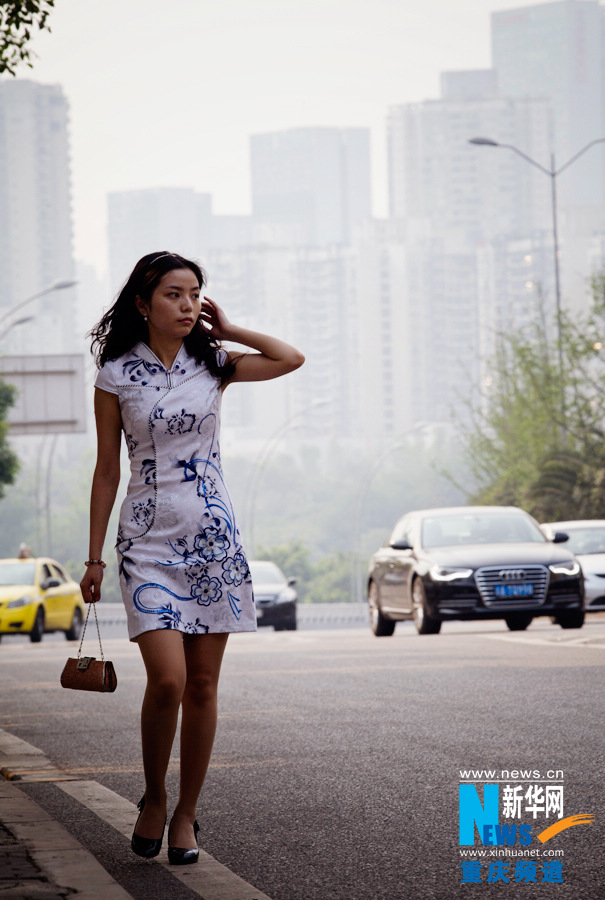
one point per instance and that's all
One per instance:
(208, 878)
(588, 642)
(57, 853)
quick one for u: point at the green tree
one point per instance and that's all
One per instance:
(536, 440)
(9, 464)
(18, 21)
(294, 560)
(331, 580)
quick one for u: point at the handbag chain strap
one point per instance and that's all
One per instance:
(94, 605)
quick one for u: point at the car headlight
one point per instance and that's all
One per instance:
(22, 601)
(284, 596)
(569, 567)
(449, 573)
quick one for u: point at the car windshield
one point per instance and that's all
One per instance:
(585, 540)
(14, 573)
(478, 528)
(265, 573)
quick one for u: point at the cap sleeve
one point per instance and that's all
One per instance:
(106, 379)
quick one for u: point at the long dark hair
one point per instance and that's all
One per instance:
(123, 326)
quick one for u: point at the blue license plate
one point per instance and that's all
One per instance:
(513, 590)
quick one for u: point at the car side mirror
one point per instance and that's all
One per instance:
(50, 583)
(292, 582)
(401, 545)
(560, 537)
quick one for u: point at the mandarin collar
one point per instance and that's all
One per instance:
(146, 353)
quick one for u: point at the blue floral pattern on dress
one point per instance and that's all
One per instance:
(235, 569)
(131, 444)
(207, 590)
(148, 470)
(140, 369)
(142, 512)
(211, 544)
(180, 423)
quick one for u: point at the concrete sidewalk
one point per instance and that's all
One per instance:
(40, 859)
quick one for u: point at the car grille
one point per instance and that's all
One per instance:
(563, 594)
(459, 602)
(489, 576)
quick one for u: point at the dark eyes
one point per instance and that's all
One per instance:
(176, 294)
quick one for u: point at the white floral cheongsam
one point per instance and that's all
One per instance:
(179, 554)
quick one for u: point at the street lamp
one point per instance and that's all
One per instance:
(263, 458)
(357, 574)
(56, 286)
(552, 174)
(14, 324)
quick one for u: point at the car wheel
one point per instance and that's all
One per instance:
(380, 626)
(279, 627)
(572, 618)
(37, 631)
(291, 625)
(424, 622)
(75, 629)
(518, 621)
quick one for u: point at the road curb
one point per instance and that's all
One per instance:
(58, 854)
(62, 861)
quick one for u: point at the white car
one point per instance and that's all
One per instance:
(587, 543)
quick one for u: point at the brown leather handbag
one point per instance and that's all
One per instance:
(87, 673)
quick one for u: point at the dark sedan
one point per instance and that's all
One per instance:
(274, 596)
(473, 562)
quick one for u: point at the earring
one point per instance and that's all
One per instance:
(145, 318)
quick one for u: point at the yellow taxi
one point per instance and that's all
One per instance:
(38, 596)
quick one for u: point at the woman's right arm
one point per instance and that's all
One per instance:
(104, 486)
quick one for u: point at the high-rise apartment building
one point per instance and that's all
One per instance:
(437, 178)
(556, 51)
(456, 200)
(143, 221)
(35, 215)
(310, 186)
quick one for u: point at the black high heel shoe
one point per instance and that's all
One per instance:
(145, 847)
(181, 856)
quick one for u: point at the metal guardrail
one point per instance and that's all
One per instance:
(310, 615)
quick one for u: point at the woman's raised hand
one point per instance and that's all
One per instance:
(215, 319)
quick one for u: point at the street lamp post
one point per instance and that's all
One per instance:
(61, 285)
(14, 324)
(263, 458)
(56, 286)
(366, 481)
(552, 174)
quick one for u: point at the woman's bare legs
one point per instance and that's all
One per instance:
(165, 661)
(203, 656)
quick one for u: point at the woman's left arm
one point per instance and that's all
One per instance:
(274, 357)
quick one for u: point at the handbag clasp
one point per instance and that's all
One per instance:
(84, 662)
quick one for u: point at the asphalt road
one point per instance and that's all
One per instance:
(338, 755)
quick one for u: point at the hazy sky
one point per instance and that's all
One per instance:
(166, 92)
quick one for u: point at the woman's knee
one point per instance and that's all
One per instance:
(201, 688)
(166, 689)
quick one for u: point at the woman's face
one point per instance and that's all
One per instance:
(175, 305)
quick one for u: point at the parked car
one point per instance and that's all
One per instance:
(274, 596)
(587, 542)
(473, 562)
(38, 596)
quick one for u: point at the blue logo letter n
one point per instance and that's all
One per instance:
(472, 812)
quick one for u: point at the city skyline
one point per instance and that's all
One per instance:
(218, 76)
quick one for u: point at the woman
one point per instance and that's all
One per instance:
(183, 573)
